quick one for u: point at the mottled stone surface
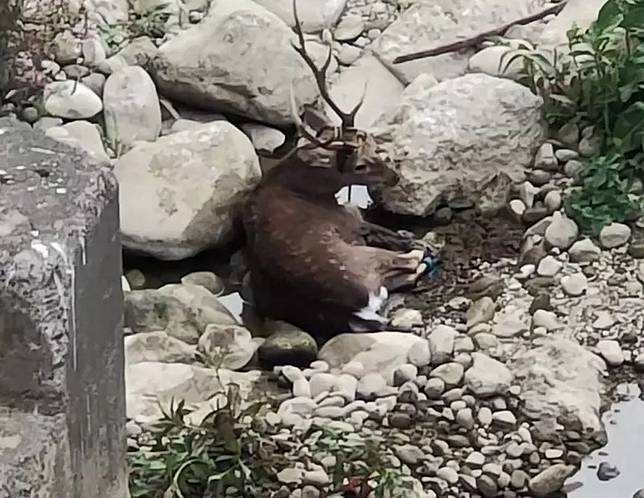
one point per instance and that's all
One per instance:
(61, 348)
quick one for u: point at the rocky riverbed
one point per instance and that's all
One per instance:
(514, 349)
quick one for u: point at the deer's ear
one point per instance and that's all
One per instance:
(315, 119)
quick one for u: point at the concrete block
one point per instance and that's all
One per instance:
(62, 392)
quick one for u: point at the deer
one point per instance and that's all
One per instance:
(314, 263)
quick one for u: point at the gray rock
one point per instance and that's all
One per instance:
(561, 380)
(288, 346)
(487, 486)
(491, 61)
(423, 135)
(553, 201)
(546, 319)
(290, 476)
(157, 347)
(314, 16)
(227, 346)
(611, 351)
(504, 418)
(173, 213)
(562, 232)
(259, 92)
(139, 51)
(350, 28)
(573, 168)
(427, 25)
(441, 344)
(405, 373)
(549, 266)
(546, 159)
(131, 107)
(435, 387)
(550, 480)
(71, 100)
(574, 285)
(450, 373)
(317, 478)
(484, 416)
(579, 12)
(510, 322)
(420, 354)
(409, 454)
(480, 311)
(487, 376)
(206, 279)
(204, 306)
(448, 474)
(82, 135)
(370, 386)
(584, 251)
(264, 138)
(614, 235)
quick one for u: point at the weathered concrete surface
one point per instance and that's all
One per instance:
(61, 348)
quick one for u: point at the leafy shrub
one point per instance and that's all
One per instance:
(600, 83)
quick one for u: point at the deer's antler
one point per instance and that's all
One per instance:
(347, 118)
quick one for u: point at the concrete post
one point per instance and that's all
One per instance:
(62, 392)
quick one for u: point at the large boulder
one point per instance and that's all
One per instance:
(179, 193)
(314, 15)
(580, 13)
(452, 142)
(227, 63)
(561, 380)
(428, 25)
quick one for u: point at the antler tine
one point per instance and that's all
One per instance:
(320, 73)
(303, 129)
(356, 108)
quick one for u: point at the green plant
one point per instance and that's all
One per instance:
(362, 465)
(227, 450)
(599, 82)
(604, 195)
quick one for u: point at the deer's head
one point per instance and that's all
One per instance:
(351, 152)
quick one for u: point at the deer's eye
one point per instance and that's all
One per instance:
(360, 168)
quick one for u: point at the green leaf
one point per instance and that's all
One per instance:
(610, 15)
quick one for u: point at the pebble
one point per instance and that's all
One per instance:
(574, 285)
(450, 373)
(71, 99)
(309, 491)
(465, 419)
(562, 232)
(434, 388)
(550, 480)
(484, 416)
(475, 459)
(350, 28)
(565, 155)
(519, 479)
(611, 351)
(354, 368)
(401, 421)
(549, 266)
(318, 478)
(488, 377)
(569, 134)
(419, 355)
(603, 320)
(636, 249)
(573, 168)
(638, 362)
(409, 454)
(584, 251)
(546, 319)
(486, 341)
(639, 493)
(302, 388)
(371, 385)
(405, 373)
(606, 471)
(348, 54)
(546, 159)
(487, 486)
(553, 201)
(448, 474)
(321, 382)
(527, 193)
(614, 235)
(290, 476)
(441, 344)
(481, 311)
(505, 418)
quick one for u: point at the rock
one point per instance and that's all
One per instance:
(527, 193)
(317, 478)
(139, 51)
(561, 380)
(349, 54)
(46, 122)
(240, 41)
(264, 138)
(603, 320)
(574, 285)
(562, 232)
(313, 16)
(372, 385)
(606, 471)
(441, 344)
(95, 82)
(546, 158)
(450, 373)
(203, 304)
(480, 311)
(505, 418)
(380, 352)
(290, 476)
(407, 318)
(153, 386)
(550, 480)
(553, 201)
(487, 486)
(546, 319)
(288, 345)
(435, 387)
(493, 61)
(429, 25)
(636, 249)
(510, 322)
(639, 493)
(549, 266)
(584, 251)
(448, 475)
(347, 89)
(152, 311)
(517, 208)
(206, 279)
(70, 99)
(350, 28)
(611, 351)
(174, 213)
(227, 346)
(579, 12)
(409, 454)
(614, 235)
(424, 137)
(157, 347)
(83, 135)
(405, 373)
(487, 377)
(131, 107)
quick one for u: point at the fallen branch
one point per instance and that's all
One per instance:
(478, 39)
